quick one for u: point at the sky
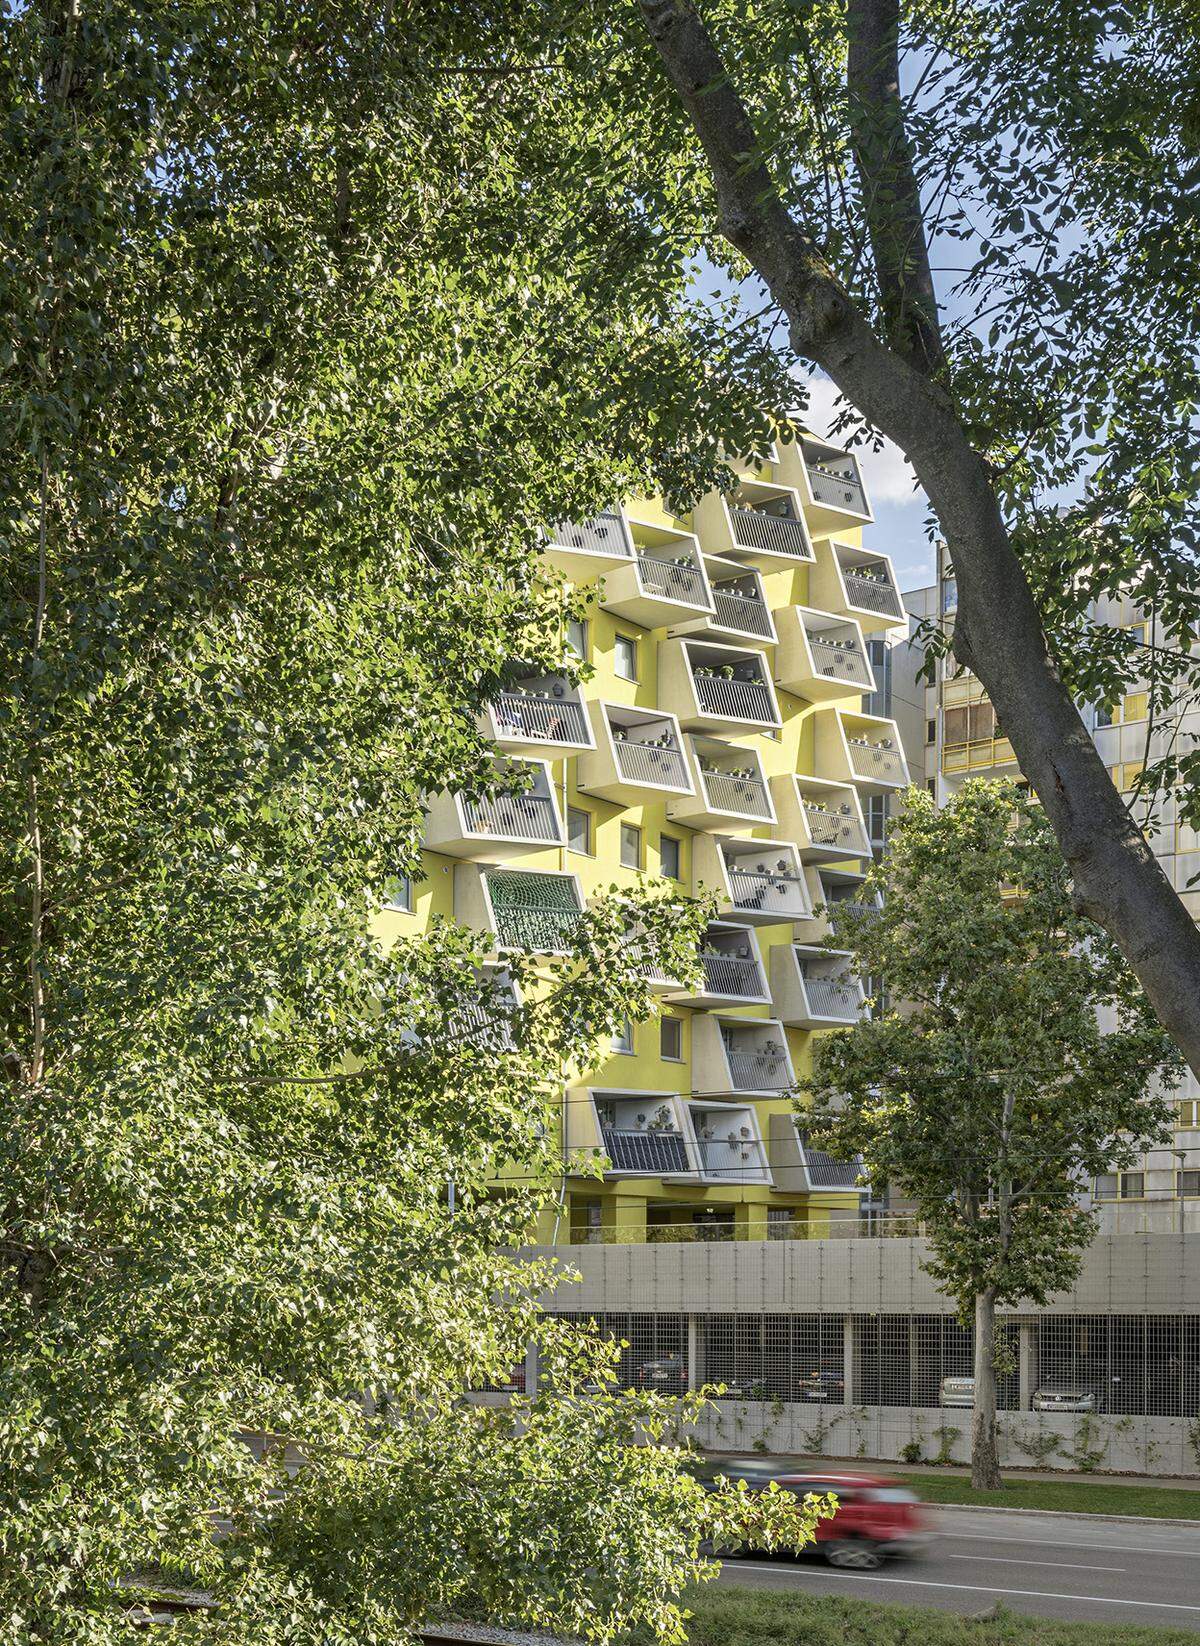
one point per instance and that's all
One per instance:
(900, 507)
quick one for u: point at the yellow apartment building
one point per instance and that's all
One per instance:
(720, 740)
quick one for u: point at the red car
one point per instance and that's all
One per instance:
(876, 1517)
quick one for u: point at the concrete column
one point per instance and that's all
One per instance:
(848, 1367)
(696, 1368)
(531, 1370)
(1026, 1363)
(625, 1217)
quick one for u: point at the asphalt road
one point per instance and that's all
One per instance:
(1119, 1572)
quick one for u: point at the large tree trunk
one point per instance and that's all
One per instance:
(985, 1458)
(998, 632)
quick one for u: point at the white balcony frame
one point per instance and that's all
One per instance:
(721, 1071)
(714, 803)
(796, 1001)
(829, 586)
(708, 991)
(822, 879)
(623, 777)
(473, 903)
(580, 549)
(747, 1154)
(678, 660)
(805, 666)
(863, 749)
(545, 703)
(585, 1131)
(729, 616)
(836, 831)
(731, 868)
(826, 510)
(497, 827)
(792, 1166)
(650, 589)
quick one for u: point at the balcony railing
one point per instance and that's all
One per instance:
(842, 661)
(731, 974)
(730, 1158)
(776, 533)
(872, 760)
(734, 699)
(831, 997)
(514, 817)
(539, 719)
(645, 1151)
(745, 612)
(825, 1171)
(873, 594)
(603, 535)
(671, 581)
(485, 1024)
(726, 793)
(836, 489)
(651, 763)
(760, 890)
(832, 828)
(534, 912)
(758, 1071)
(849, 905)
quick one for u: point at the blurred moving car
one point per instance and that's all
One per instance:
(876, 1517)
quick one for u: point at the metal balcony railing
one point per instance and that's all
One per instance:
(833, 828)
(754, 529)
(745, 612)
(851, 906)
(758, 1071)
(731, 1159)
(514, 817)
(839, 661)
(603, 535)
(671, 581)
(734, 699)
(727, 793)
(535, 912)
(832, 997)
(872, 760)
(873, 594)
(645, 1151)
(732, 975)
(837, 489)
(485, 1024)
(760, 890)
(539, 719)
(825, 1171)
(651, 763)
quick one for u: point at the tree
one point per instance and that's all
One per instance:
(1037, 157)
(1020, 1059)
(295, 362)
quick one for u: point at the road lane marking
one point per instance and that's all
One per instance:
(1015, 1560)
(1041, 1543)
(974, 1588)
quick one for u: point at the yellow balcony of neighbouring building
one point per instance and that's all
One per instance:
(538, 714)
(821, 655)
(525, 910)
(862, 749)
(729, 788)
(860, 582)
(824, 818)
(761, 523)
(732, 969)
(663, 583)
(977, 756)
(740, 610)
(583, 550)
(638, 752)
(759, 882)
(799, 1167)
(737, 1056)
(835, 495)
(715, 688)
(494, 827)
(813, 987)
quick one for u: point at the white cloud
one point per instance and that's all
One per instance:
(888, 473)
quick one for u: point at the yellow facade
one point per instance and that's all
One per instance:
(699, 1136)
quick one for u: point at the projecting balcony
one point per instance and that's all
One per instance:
(637, 752)
(640, 1134)
(821, 655)
(538, 715)
(526, 911)
(732, 969)
(862, 749)
(730, 788)
(836, 495)
(664, 583)
(712, 687)
(740, 611)
(485, 1017)
(835, 889)
(731, 1055)
(859, 582)
(760, 882)
(824, 818)
(813, 987)
(585, 550)
(728, 1145)
(493, 827)
(799, 1167)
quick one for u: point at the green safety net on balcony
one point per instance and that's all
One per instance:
(533, 911)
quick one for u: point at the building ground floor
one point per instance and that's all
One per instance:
(654, 1211)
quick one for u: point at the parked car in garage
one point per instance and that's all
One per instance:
(667, 1376)
(957, 1391)
(876, 1517)
(1060, 1397)
(830, 1386)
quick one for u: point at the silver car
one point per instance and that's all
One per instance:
(1063, 1398)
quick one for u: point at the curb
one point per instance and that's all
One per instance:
(1064, 1514)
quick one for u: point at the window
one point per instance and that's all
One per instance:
(670, 1039)
(400, 894)
(579, 829)
(1136, 706)
(622, 1041)
(931, 785)
(669, 856)
(931, 731)
(1188, 1183)
(1189, 1114)
(625, 657)
(1133, 1185)
(950, 594)
(1126, 776)
(631, 846)
(577, 638)
(1120, 1186)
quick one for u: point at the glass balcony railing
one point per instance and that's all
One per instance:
(645, 1151)
(539, 719)
(672, 580)
(603, 535)
(873, 592)
(744, 612)
(734, 699)
(731, 974)
(837, 488)
(776, 533)
(728, 793)
(514, 817)
(651, 763)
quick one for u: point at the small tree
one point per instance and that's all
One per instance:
(1019, 1060)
